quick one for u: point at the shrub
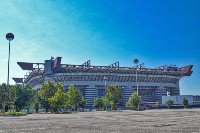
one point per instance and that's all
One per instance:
(185, 102)
(169, 103)
(157, 105)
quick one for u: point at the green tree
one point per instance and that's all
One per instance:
(46, 91)
(157, 105)
(98, 103)
(134, 101)
(4, 96)
(36, 106)
(20, 98)
(185, 102)
(114, 95)
(59, 99)
(169, 103)
(12, 97)
(29, 95)
(82, 103)
(73, 98)
(106, 103)
(24, 97)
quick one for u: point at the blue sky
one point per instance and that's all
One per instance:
(156, 32)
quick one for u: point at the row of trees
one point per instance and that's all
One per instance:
(52, 97)
(16, 97)
(114, 96)
(170, 102)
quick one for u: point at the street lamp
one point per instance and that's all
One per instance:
(9, 37)
(105, 78)
(136, 62)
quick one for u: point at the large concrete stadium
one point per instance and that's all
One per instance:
(91, 80)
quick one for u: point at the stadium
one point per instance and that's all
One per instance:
(151, 83)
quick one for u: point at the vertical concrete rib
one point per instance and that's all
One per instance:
(126, 93)
(90, 94)
(159, 92)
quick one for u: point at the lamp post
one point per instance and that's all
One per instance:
(9, 37)
(136, 62)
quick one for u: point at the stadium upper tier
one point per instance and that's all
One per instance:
(114, 68)
(86, 69)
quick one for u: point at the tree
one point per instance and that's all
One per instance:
(157, 104)
(185, 102)
(4, 96)
(106, 103)
(82, 103)
(59, 99)
(24, 97)
(169, 103)
(46, 91)
(29, 96)
(114, 95)
(36, 106)
(73, 98)
(12, 96)
(134, 101)
(98, 103)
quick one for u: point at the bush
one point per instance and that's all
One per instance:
(169, 103)
(185, 102)
(157, 105)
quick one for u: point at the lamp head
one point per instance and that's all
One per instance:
(135, 61)
(9, 36)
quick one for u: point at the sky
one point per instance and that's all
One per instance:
(105, 31)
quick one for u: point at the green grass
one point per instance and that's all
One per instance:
(13, 114)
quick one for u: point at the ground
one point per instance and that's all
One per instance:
(149, 121)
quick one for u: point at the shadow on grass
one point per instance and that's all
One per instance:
(65, 112)
(13, 114)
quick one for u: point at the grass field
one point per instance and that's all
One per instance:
(149, 121)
